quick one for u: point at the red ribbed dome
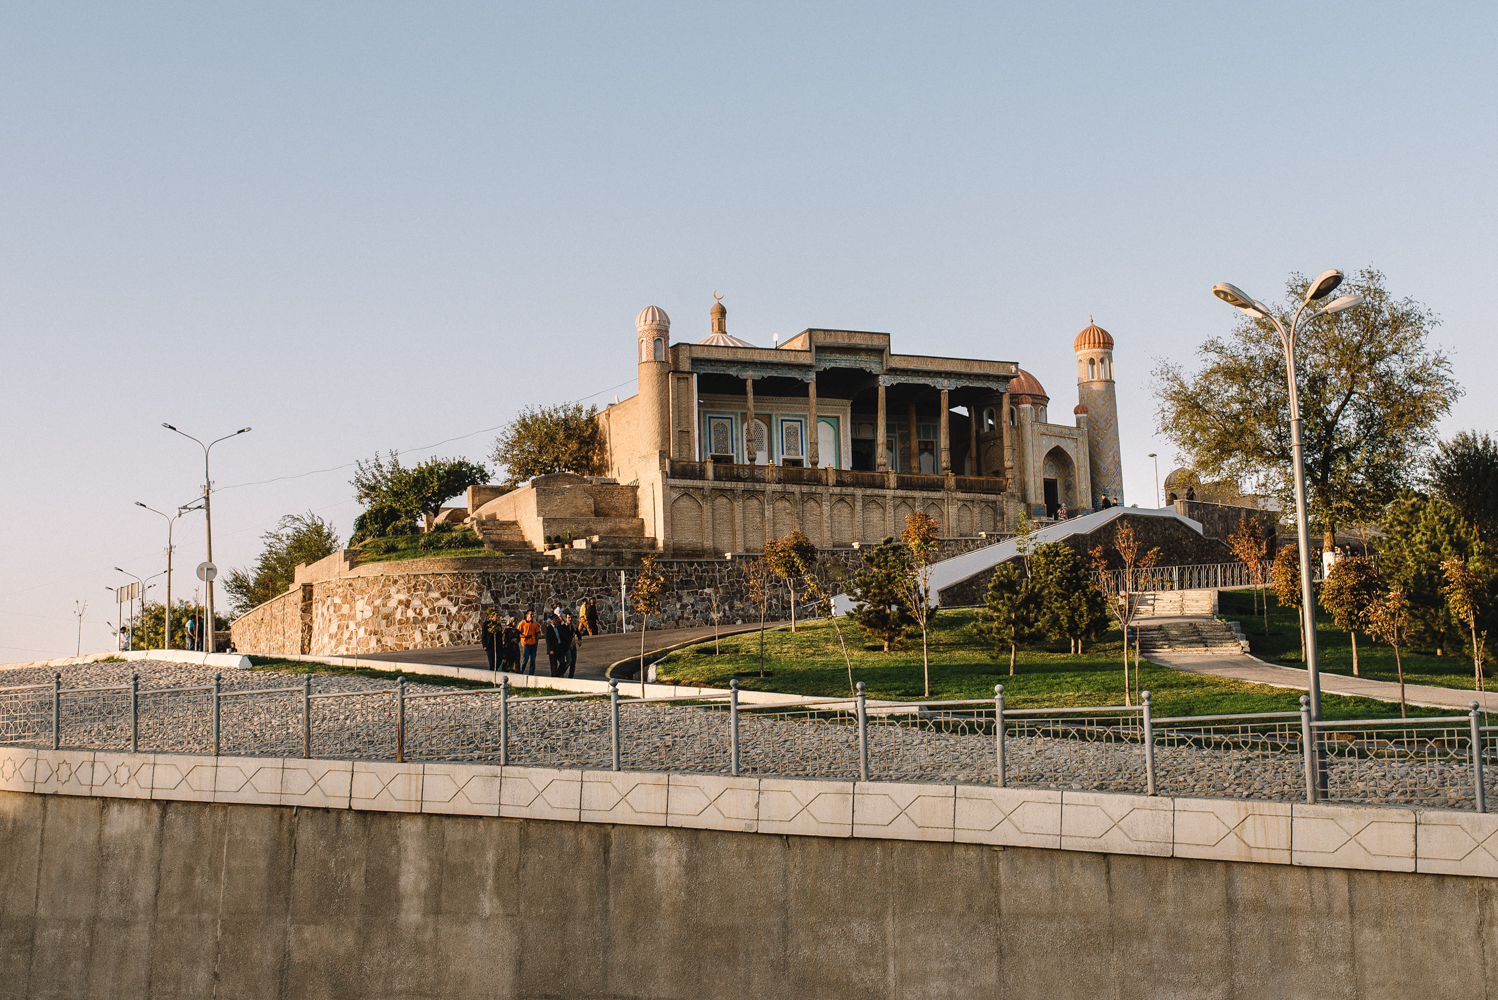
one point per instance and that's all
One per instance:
(1080, 409)
(1093, 337)
(1021, 400)
(1027, 384)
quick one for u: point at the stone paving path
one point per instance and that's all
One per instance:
(1248, 668)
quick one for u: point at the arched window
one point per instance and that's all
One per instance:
(1012, 417)
(1107, 369)
(660, 349)
(1091, 368)
(988, 421)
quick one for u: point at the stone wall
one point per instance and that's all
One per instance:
(280, 625)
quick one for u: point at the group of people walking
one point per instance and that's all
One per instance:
(511, 645)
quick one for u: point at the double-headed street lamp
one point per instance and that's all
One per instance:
(171, 520)
(1320, 289)
(209, 642)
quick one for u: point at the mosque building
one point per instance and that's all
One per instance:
(832, 432)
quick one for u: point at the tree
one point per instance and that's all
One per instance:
(647, 600)
(1464, 472)
(806, 566)
(1122, 588)
(1349, 590)
(1419, 534)
(1250, 545)
(1387, 618)
(880, 609)
(395, 495)
(761, 583)
(716, 614)
(1071, 606)
(1466, 594)
(919, 537)
(148, 624)
(1284, 577)
(788, 558)
(544, 440)
(1371, 392)
(1009, 613)
(297, 539)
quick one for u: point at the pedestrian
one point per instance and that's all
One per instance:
(585, 620)
(569, 638)
(554, 643)
(1190, 492)
(1062, 513)
(530, 631)
(489, 637)
(509, 645)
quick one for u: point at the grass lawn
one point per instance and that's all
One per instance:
(306, 667)
(412, 552)
(810, 662)
(1334, 647)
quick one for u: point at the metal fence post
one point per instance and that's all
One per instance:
(1480, 792)
(56, 709)
(400, 719)
(307, 716)
(1308, 745)
(504, 722)
(135, 713)
(998, 738)
(218, 684)
(863, 734)
(733, 727)
(614, 716)
(1149, 745)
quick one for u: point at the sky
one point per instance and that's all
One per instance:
(358, 227)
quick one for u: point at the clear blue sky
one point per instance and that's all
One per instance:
(365, 226)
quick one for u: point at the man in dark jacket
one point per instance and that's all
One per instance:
(489, 637)
(568, 637)
(553, 643)
(509, 646)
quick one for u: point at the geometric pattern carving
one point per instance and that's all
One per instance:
(540, 793)
(632, 798)
(1116, 824)
(460, 789)
(1351, 837)
(385, 787)
(1456, 843)
(712, 802)
(1233, 830)
(806, 808)
(903, 811)
(1013, 817)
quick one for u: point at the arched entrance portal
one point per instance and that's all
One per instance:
(1059, 479)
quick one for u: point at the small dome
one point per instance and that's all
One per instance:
(724, 340)
(719, 309)
(1080, 409)
(1180, 478)
(652, 316)
(1093, 337)
(1022, 400)
(1027, 384)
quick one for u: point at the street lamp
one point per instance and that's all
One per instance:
(1158, 501)
(171, 520)
(1320, 289)
(208, 632)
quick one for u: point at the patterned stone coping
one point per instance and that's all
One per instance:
(1328, 836)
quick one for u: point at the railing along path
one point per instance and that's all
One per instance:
(1436, 762)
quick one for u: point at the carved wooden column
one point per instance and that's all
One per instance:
(945, 439)
(881, 434)
(811, 423)
(751, 432)
(915, 454)
(972, 439)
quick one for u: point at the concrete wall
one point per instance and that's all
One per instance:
(129, 898)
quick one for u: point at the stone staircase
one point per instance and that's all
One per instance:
(1174, 603)
(502, 536)
(1197, 635)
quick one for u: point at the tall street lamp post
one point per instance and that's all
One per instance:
(209, 639)
(171, 520)
(1158, 501)
(1320, 289)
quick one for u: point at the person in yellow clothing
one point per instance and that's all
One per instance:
(530, 631)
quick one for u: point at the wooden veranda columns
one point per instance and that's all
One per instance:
(881, 435)
(811, 423)
(945, 444)
(751, 446)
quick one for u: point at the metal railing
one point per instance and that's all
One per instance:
(1436, 762)
(1201, 576)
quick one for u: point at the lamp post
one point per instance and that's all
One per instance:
(171, 520)
(1241, 300)
(208, 631)
(1158, 501)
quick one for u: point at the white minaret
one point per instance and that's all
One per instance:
(1095, 391)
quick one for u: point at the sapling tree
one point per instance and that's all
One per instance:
(761, 582)
(1465, 592)
(1388, 617)
(1285, 578)
(785, 556)
(919, 537)
(880, 607)
(647, 600)
(1122, 589)
(1009, 615)
(1250, 544)
(1071, 606)
(1350, 589)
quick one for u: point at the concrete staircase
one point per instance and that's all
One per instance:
(1175, 603)
(1197, 635)
(502, 536)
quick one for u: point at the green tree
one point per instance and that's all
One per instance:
(394, 495)
(147, 625)
(1250, 544)
(790, 558)
(1464, 473)
(761, 580)
(1009, 613)
(1122, 589)
(544, 440)
(1284, 579)
(647, 600)
(1466, 594)
(1388, 617)
(880, 607)
(1371, 393)
(1071, 606)
(920, 538)
(1349, 591)
(297, 539)
(1419, 534)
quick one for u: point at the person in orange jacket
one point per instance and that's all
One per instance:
(530, 631)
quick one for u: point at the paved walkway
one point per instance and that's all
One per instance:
(1247, 668)
(594, 652)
